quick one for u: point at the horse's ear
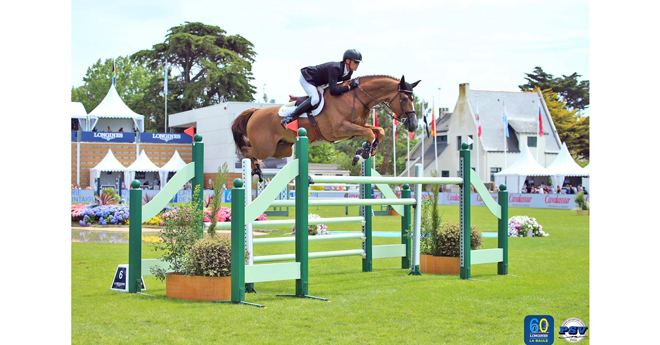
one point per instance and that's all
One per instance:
(415, 83)
(403, 80)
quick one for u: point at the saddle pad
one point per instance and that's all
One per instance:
(288, 107)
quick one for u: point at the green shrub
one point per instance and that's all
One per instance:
(446, 241)
(581, 202)
(210, 257)
(182, 228)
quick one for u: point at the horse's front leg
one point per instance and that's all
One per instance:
(379, 132)
(348, 129)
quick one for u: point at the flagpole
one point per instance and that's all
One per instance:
(394, 145)
(505, 128)
(435, 137)
(381, 139)
(476, 147)
(165, 96)
(408, 157)
(537, 142)
(423, 134)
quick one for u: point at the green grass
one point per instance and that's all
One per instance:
(387, 306)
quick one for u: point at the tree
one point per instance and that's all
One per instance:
(134, 83)
(208, 66)
(572, 128)
(575, 94)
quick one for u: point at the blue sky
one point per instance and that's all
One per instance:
(444, 43)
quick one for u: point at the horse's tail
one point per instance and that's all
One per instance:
(239, 129)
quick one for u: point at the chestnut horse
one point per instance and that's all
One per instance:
(258, 133)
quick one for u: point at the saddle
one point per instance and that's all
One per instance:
(294, 101)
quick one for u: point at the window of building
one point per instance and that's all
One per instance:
(445, 173)
(442, 138)
(493, 171)
(459, 142)
(471, 138)
(531, 141)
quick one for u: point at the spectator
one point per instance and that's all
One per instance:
(573, 190)
(121, 129)
(397, 191)
(156, 181)
(109, 130)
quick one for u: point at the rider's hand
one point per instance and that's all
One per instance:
(354, 83)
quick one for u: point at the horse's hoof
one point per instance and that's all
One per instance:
(356, 159)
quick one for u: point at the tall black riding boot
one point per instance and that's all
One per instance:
(302, 108)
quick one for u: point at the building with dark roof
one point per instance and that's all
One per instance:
(488, 151)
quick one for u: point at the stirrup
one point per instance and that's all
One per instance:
(287, 120)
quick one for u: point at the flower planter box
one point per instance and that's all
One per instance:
(198, 288)
(582, 212)
(439, 264)
(393, 212)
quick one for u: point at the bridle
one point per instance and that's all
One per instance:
(391, 113)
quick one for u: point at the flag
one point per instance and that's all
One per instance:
(114, 72)
(426, 124)
(433, 122)
(190, 131)
(478, 121)
(540, 122)
(506, 122)
(396, 124)
(293, 126)
(375, 118)
(165, 82)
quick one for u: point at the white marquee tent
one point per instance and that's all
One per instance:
(141, 164)
(514, 176)
(108, 164)
(175, 164)
(112, 107)
(563, 166)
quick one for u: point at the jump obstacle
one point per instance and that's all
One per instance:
(245, 211)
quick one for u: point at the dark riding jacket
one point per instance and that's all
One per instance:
(328, 73)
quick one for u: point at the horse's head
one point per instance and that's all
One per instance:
(406, 104)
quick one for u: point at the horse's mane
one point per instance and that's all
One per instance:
(368, 78)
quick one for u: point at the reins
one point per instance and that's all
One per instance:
(379, 105)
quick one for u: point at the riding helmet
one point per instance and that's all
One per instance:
(352, 54)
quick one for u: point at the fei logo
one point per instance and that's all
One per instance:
(573, 330)
(539, 329)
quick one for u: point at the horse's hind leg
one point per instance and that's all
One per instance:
(283, 150)
(256, 164)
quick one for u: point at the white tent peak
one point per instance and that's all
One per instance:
(78, 110)
(565, 165)
(175, 163)
(525, 164)
(112, 106)
(143, 163)
(109, 163)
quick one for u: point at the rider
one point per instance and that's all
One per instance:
(328, 73)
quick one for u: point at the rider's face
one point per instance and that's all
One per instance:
(352, 65)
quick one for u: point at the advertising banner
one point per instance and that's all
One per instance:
(170, 138)
(113, 137)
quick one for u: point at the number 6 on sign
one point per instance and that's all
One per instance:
(120, 282)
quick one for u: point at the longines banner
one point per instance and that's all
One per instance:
(114, 137)
(178, 138)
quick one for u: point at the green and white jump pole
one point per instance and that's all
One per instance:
(139, 214)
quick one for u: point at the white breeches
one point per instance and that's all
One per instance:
(310, 89)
